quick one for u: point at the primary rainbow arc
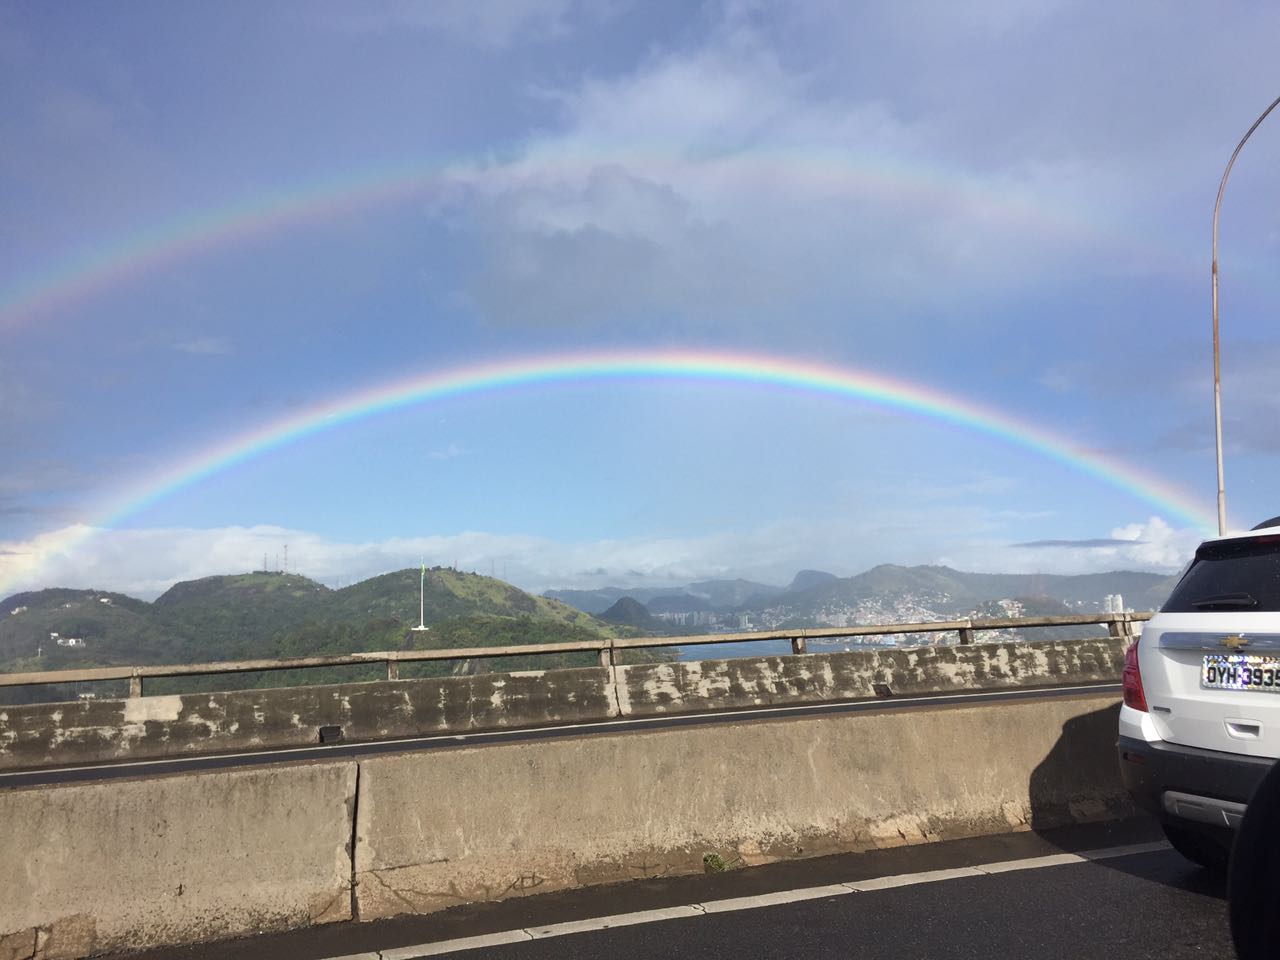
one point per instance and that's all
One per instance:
(717, 367)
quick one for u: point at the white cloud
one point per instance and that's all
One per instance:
(1156, 544)
(448, 453)
(486, 23)
(146, 562)
(205, 346)
(920, 156)
(724, 184)
(1152, 545)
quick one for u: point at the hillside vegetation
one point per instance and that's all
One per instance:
(272, 615)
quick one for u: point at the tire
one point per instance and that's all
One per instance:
(1205, 846)
(1253, 889)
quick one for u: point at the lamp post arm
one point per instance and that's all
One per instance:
(1217, 365)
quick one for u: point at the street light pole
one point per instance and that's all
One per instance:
(1217, 367)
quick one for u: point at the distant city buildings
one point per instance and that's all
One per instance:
(1113, 603)
(691, 618)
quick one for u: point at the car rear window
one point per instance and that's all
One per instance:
(1236, 575)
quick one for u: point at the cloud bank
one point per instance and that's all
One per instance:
(146, 562)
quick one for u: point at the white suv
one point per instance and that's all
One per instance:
(1200, 723)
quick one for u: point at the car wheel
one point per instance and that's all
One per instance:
(1202, 846)
(1253, 890)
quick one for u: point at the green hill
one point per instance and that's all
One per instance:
(235, 617)
(632, 613)
(451, 593)
(269, 615)
(95, 628)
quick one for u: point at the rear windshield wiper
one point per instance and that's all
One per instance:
(1226, 600)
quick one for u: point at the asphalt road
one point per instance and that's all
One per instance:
(1151, 904)
(1148, 905)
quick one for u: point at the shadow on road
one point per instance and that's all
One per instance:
(1078, 783)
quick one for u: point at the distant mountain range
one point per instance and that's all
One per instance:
(272, 615)
(884, 594)
(275, 615)
(715, 594)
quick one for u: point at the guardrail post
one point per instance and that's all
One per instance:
(135, 686)
(608, 656)
(393, 669)
(1118, 626)
(966, 634)
(798, 646)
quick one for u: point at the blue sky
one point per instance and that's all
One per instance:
(1005, 202)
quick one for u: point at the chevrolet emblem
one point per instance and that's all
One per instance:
(1234, 642)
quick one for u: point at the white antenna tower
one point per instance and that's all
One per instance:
(422, 600)
(286, 558)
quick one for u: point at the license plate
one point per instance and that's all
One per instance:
(1240, 671)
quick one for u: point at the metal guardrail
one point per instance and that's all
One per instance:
(1118, 625)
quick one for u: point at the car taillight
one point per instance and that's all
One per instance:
(1132, 680)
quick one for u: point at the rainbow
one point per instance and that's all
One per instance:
(824, 173)
(687, 365)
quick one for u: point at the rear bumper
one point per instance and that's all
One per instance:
(1187, 783)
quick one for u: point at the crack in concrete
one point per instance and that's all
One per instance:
(317, 915)
(355, 821)
(613, 686)
(35, 944)
(413, 907)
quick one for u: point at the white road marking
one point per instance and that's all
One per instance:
(911, 879)
(1125, 851)
(773, 899)
(1031, 863)
(617, 920)
(454, 946)
(750, 903)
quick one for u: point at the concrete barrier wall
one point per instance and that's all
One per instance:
(468, 824)
(668, 688)
(123, 865)
(41, 735)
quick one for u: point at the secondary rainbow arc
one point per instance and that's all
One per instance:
(116, 260)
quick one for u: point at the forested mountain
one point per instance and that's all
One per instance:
(274, 614)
